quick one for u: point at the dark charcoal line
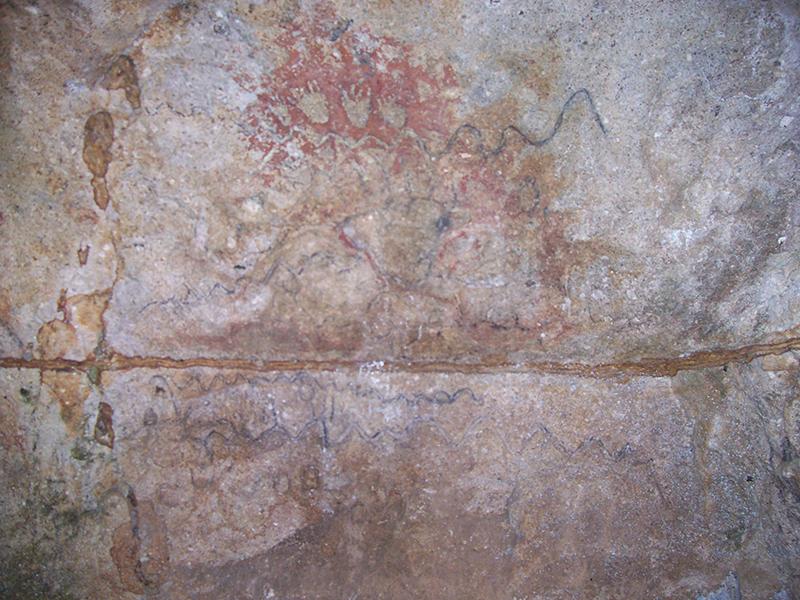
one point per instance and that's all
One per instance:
(504, 136)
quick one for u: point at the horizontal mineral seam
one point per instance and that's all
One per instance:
(645, 367)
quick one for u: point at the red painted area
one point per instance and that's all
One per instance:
(375, 124)
(354, 248)
(349, 244)
(397, 94)
(490, 195)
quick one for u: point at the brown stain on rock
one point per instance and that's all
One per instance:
(11, 435)
(86, 311)
(83, 254)
(55, 339)
(125, 554)
(288, 335)
(104, 425)
(536, 71)
(122, 76)
(5, 307)
(492, 119)
(77, 333)
(140, 548)
(70, 391)
(79, 330)
(98, 136)
(163, 29)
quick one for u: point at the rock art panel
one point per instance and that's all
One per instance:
(399, 300)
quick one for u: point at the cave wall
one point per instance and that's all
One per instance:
(460, 299)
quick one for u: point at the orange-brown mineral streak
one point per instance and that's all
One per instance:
(122, 76)
(98, 135)
(649, 367)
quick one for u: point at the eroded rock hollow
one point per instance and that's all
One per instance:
(354, 300)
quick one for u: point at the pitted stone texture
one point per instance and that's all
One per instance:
(327, 486)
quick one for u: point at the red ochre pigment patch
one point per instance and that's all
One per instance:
(345, 101)
(337, 89)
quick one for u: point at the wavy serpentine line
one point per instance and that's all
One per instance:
(468, 127)
(448, 147)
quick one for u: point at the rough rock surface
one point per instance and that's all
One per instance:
(459, 299)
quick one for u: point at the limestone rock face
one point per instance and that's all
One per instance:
(460, 299)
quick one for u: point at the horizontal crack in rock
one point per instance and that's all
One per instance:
(649, 367)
